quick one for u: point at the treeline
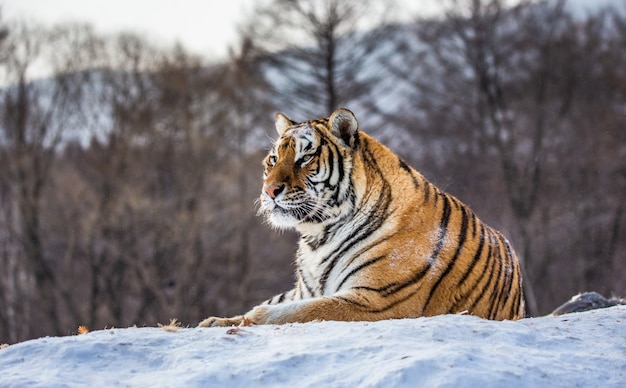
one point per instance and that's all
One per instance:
(129, 176)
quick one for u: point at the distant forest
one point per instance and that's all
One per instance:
(129, 176)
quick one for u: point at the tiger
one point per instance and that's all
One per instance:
(377, 240)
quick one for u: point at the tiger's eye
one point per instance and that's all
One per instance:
(306, 159)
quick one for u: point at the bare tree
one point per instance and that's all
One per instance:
(35, 116)
(319, 54)
(594, 155)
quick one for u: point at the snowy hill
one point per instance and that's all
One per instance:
(583, 349)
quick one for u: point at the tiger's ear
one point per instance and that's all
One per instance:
(343, 125)
(282, 123)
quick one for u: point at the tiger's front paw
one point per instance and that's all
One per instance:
(221, 322)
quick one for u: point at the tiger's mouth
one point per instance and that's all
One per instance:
(294, 211)
(279, 210)
(286, 214)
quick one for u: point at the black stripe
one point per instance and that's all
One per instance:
(334, 200)
(496, 296)
(513, 312)
(443, 228)
(426, 191)
(508, 276)
(384, 291)
(512, 260)
(488, 287)
(408, 169)
(348, 300)
(455, 201)
(361, 252)
(330, 165)
(451, 263)
(470, 268)
(519, 298)
(340, 162)
(318, 152)
(496, 278)
(373, 221)
(485, 272)
(404, 166)
(358, 268)
(481, 244)
(303, 281)
(394, 303)
(506, 262)
(474, 220)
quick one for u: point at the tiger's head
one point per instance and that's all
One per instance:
(307, 173)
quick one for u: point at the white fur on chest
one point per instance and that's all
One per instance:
(314, 263)
(338, 252)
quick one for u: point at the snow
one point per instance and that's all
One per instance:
(581, 349)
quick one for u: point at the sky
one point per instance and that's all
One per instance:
(206, 27)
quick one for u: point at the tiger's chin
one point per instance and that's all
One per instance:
(281, 220)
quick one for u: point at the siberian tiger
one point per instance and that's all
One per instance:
(378, 241)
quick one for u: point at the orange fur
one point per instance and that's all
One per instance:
(378, 241)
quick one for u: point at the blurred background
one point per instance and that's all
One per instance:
(130, 159)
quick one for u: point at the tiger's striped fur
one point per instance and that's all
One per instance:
(378, 241)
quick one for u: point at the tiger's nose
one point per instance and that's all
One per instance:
(274, 190)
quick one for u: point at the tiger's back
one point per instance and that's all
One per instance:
(378, 241)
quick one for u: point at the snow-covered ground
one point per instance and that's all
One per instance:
(583, 349)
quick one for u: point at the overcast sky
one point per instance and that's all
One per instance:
(206, 27)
